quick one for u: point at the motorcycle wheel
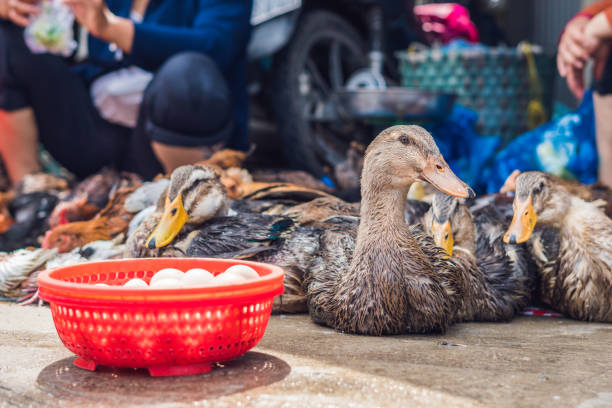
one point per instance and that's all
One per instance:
(320, 57)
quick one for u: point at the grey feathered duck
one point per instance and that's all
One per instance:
(500, 280)
(575, 272)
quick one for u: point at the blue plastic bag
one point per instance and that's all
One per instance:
(565, 147)
(466, 152)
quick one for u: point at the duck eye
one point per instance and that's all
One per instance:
(539, 188)
(404, 139)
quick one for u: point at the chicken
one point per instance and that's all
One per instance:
(90, 196)
(108, 223)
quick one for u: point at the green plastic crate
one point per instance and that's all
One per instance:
(494, 81)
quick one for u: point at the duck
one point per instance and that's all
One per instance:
(576, 280)
(597, 192)
(194, 194)
(499, 275)
(382, 276)
(192, 218)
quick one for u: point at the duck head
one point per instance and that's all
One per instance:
(450, 222)
(534, 202)
(195, 194)
(401, 155)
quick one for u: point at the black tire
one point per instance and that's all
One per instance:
(315, 28)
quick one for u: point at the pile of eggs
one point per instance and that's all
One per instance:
(171, 278)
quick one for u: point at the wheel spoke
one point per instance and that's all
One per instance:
(335, 65)
(311, 66)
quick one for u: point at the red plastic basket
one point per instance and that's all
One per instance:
(167, 331)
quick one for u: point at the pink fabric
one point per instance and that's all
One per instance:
(446, 22)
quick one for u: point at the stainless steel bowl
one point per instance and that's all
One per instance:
(395, 103)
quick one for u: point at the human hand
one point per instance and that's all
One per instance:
(597, 36)
(94, 15)
(572, 52)
(19, 11)
(575, 81)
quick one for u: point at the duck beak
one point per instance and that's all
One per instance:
(170, 225)
(416, 191)
(443, 236)
(438, 174)
(523, 223)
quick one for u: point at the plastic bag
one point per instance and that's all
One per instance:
(118, 94)
(565, 147)
(51, 30)
(466, 152)
(446, 22)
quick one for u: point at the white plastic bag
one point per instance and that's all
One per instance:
(51, 30)
(118, 94)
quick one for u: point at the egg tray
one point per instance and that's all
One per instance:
(168, 331)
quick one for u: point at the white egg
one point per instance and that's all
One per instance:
(166, 283)
(246, 272)
(135, 283)
(226, 279)
(168, 273)
(197, 277)
(101, 284)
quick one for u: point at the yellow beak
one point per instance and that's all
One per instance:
(170, 225)
(443, 236)
(416, 191)
(523, 222)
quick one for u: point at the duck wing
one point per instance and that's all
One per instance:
(415, 211)
(332, 249)
(295, 254)
(228, 235)
(286, 191)
(272, 207)
(321, 209)
(509, 278)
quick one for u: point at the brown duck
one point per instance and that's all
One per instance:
(577, 281)
(384, 276)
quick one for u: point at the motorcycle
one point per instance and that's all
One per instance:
(322, 77)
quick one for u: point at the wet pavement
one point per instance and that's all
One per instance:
(531, 362)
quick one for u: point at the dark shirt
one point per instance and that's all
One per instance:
(217, 28)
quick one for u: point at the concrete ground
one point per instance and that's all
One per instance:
(531, 362)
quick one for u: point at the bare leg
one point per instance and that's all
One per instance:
(603, 130)
(172, 157)
(19, 143)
